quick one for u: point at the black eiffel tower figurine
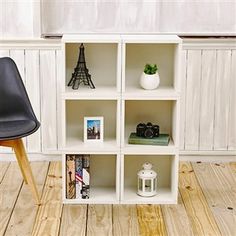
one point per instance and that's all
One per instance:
(81, 74)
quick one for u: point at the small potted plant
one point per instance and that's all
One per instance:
(150, 78)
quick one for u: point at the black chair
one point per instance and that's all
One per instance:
(17, 118)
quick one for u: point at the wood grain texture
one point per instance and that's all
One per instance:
(9, 189)
(233, 167)
(192, 100)
(232, 107)
(198, 211)
(183, 99)
(222, 99)
(33, 90)
(207, 99)
(3, 169)
(99, 220)
(74, 219)
(151, 221)
(48, 100)
(218, 184)
(48, 218)
(25, 210)
(176, 219)
(125, 221)
(60, 83)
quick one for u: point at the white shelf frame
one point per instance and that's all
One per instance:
(121, 94)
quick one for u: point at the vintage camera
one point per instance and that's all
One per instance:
(147, 130)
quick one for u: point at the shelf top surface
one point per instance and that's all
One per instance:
(116, 38)
(93, 38)
(155, 38)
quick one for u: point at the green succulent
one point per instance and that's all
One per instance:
(150, 69)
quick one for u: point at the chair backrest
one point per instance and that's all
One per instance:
(14, 101)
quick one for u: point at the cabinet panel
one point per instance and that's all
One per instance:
(192, 100)
(232, 108)
(48, 100)
(222, 99)
(207, 99)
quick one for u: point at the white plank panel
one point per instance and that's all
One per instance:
(183, 99)
(207, 99)
(60, 83)
(5, 53)
(232, 109)
(33, 89)
(192, 99)
(48, 100)
(222, 99)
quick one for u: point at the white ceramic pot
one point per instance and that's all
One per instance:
(149, 81)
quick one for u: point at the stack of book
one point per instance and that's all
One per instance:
(77, 176)
(161, 140)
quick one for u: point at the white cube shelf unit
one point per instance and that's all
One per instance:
(115, 63)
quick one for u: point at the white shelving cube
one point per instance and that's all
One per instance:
(104, 180)
(116, 63)
(166, 167)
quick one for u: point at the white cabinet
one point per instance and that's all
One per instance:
(115, 63)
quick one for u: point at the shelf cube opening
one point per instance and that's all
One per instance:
(103, 179)
(166, 168)
(138, 55)
(101, 61)
(161, 113)
(76, 110)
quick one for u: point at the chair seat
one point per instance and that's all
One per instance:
(16, 129)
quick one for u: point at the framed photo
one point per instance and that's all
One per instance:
(93, 129)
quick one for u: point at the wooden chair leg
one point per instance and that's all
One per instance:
(25, 168)
(11, 144)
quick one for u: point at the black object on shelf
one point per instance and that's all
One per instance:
(81, 74)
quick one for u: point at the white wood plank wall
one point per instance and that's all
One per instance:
(208, 98)
(37, 63)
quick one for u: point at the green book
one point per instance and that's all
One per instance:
(161, 140)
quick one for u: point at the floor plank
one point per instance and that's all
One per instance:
(198, 211)
(125, 221)
(176, 219)
(49, 214)
(3, 169)
(217, 183)
(233, 168)
(9, 189)
(25, 210)
(74, 219)
(151, 221)
(99, 220)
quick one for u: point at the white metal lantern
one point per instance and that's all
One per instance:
(147, 181)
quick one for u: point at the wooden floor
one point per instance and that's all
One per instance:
(207, 206)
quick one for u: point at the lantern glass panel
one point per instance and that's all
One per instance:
(140, 184)
(148, 183)
(154, 184)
